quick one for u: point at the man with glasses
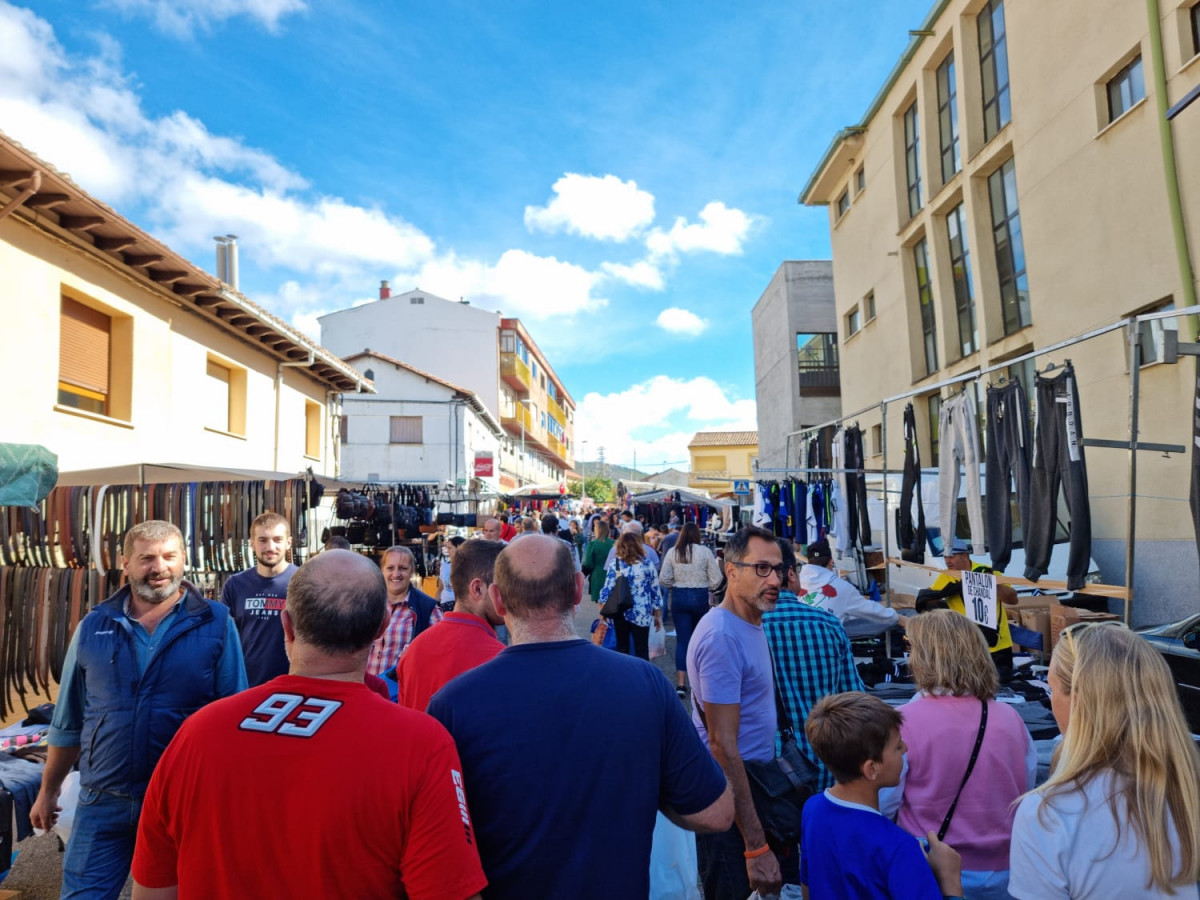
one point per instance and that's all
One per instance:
(733, 709)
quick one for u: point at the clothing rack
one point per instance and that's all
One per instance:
(1130, 324)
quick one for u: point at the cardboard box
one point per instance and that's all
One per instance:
(1065, 616)
(1037, 620)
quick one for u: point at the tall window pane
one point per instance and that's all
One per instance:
(993, 63)
(964, 293)
(1010, 248)
(912, 159)
(934, 403)
(948, 118)
(1125, 88)
(925, 298)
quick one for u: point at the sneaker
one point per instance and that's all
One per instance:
(682, 691)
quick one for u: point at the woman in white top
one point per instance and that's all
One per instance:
(1120, 813)
(689, 571)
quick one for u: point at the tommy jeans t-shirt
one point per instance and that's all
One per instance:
(254, 604)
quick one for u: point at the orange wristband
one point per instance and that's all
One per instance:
(755, 854)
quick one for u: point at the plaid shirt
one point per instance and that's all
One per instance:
(812, 659)
(385, 652)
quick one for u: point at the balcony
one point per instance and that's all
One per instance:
(556, 411)
(559, 449)
(515, 373)
(820, 381)
(817, 359)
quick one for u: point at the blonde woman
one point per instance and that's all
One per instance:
(953, 670)
(1120, 813)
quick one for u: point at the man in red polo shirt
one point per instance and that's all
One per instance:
(469, 638)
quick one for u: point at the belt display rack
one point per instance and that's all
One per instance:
(60, 558)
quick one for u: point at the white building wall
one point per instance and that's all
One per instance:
(455, 341)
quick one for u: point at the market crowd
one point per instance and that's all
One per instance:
(333, 730)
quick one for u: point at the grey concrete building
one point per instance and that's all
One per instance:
(795, 356)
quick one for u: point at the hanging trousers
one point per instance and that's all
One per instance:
(1058, 459)
(856, 488)
(839, 527)
(958, 445)
(1008, 446)
(912, 543)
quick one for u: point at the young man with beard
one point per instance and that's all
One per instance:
(733, 709)
(138, 665)
(256, 596)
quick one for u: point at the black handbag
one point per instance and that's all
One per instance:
(781, 786)
(620, 598)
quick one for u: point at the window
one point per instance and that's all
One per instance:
(406, 430)
(964, 295)
(817, 358)
(948, 118)
(343, 428)
(216, 389)
(1150, 335)
(1010, 248)
(925, 299)
(993, 64)
(869, 307)
(84, 357)
(876, 440)
(934, 403)
(860, 180)
(912, 160)
(1194, 15)
(312, 429)
(416, 301)
(852, 322)
(843, 203)
(1125, 88)
(508, 342)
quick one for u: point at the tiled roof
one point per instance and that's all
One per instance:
(724, 439)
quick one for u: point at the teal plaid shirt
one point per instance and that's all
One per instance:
(812, 659)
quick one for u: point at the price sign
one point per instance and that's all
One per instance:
(979, 599)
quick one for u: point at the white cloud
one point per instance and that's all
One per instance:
(722, 229)
(183, 17)
(642, 274)
(681, 321)
(605, 208)
(657, 419)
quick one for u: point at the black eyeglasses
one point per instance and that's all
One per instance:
(762, 570)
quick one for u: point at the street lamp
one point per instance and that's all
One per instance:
(523, 402)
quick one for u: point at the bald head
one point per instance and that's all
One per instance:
(536, 576)
(492, 530)
(336, 602)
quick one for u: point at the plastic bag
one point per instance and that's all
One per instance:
(673, 870)
(68, 799)
(658, 640)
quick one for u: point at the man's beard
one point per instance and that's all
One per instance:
(141, 587)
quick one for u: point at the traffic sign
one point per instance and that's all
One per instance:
(741, 487)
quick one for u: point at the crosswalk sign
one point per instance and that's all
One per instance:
(741, 487)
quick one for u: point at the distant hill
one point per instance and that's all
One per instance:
(615, 472)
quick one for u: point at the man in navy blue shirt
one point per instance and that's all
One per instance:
(564, 804)
(256, 596)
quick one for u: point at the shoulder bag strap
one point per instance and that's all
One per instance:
(983, 716)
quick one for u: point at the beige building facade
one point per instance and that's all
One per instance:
(119, 351)
(717, 458)
(1012, 187)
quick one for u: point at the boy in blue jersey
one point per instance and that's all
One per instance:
(847, 848)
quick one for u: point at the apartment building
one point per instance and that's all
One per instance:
(718, 458)
(119, 351)
(796, 341)
(1028, 173)
(490, 356)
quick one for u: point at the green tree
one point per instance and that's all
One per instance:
(599, 489)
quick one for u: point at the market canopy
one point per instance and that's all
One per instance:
(670, 495)
(167, 473)
(27, 473)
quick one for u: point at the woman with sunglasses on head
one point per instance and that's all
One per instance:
(1120, 813)
(947, 735)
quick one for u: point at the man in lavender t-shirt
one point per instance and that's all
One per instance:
(733, 708)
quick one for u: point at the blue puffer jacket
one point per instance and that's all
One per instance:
(128, 721)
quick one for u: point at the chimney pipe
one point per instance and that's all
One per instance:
(222, 265)
(385, 290)
(231, 260)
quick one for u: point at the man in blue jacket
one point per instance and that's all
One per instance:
(138, 665)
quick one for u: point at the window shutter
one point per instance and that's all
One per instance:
(406, 430)
(84, 346)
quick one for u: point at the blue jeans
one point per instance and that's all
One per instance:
(100, 851)
(688, 606)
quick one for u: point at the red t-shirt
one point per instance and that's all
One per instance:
(437, 655)
(274, 792)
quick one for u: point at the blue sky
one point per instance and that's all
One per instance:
(622, 176)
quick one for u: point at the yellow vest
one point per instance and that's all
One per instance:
(956, 604)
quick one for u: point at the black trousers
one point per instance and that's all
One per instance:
(1058, 460)
(856, 488)
(1008, 446)
(912, 542)
(639, 633)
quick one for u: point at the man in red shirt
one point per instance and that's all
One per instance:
(258, 794)
(466, 637)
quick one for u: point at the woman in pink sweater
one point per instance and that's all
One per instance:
(951, 666)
